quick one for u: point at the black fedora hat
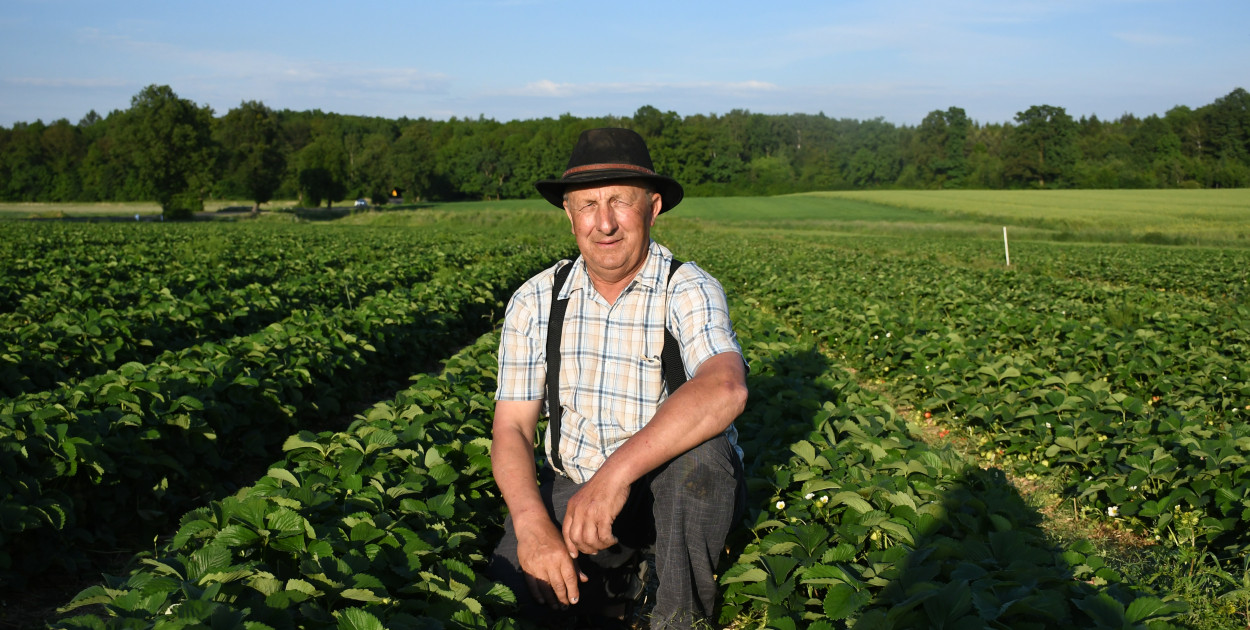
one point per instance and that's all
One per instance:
(608, 154)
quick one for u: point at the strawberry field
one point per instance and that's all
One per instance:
(299, 417)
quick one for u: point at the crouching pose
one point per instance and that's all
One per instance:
(633, 358)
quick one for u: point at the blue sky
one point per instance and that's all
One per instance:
(517, 59)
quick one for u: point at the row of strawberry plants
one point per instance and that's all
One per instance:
(387, 524)
(1053, 372)
(867, 527)
(87, 461)
(50, 267)
(1133, 395)
(76, 342)
(1217, 274)
(860, 524)
(1143, 416)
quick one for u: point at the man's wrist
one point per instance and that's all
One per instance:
(529, 519)
(615, 472)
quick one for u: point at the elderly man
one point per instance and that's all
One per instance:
(637, 459)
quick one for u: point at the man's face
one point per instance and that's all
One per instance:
(612, 223)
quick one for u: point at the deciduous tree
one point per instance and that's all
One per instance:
(169, 143)
(323, 171)
(250, 141)
(939, 153)
(1041, 148)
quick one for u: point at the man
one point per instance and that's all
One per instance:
(632, 465)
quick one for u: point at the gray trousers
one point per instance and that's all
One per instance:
(682, 511)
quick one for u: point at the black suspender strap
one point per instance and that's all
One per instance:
(673, 367)
(670, 353)
(555, 326)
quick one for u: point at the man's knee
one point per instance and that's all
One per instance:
(705, 477)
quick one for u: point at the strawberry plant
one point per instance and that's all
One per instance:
(87, 462)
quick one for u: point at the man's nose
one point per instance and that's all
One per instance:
(606, 219)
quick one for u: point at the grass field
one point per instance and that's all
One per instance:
(1175, 217)
(20, 210)
(1164, 216)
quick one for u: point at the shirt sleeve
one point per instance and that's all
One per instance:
(522, 348)
(700, 315)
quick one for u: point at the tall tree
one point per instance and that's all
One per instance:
(875, 158)
(940, 144)
(1041, 148)
(411, 161)
(24, 172)
(250, 141)
(107, 174)
(1228, 126)
(1156, 154)
(170, 145)
(323, 171)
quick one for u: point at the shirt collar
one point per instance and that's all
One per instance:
(650, 276)
(652, 273)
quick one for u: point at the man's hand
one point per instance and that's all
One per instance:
(549, 570)
(700, 410)
(590, 514)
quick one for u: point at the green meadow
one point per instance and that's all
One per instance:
(1219, 217)
(1216, 217)
(1171, 217)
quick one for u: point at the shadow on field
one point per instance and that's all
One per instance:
(786, 393)
(986, 563)
(980, 559)
(321, 214)
(331, 214)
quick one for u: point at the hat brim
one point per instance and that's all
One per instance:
(552, 190)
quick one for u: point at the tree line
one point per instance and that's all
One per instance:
(168, 149)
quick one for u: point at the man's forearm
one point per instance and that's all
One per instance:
(547, 564)
(512, 458)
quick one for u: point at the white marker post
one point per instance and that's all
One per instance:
(1006, 251)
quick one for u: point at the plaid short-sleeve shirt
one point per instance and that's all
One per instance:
(610, 377)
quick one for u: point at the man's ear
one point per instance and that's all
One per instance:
(657, 204)
(569, 214)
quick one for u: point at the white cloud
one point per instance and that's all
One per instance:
(66, 82)
(749, 86)
(252, 65)
(546, 88)
(1152, 39)
(549, 89)
(357, 77)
